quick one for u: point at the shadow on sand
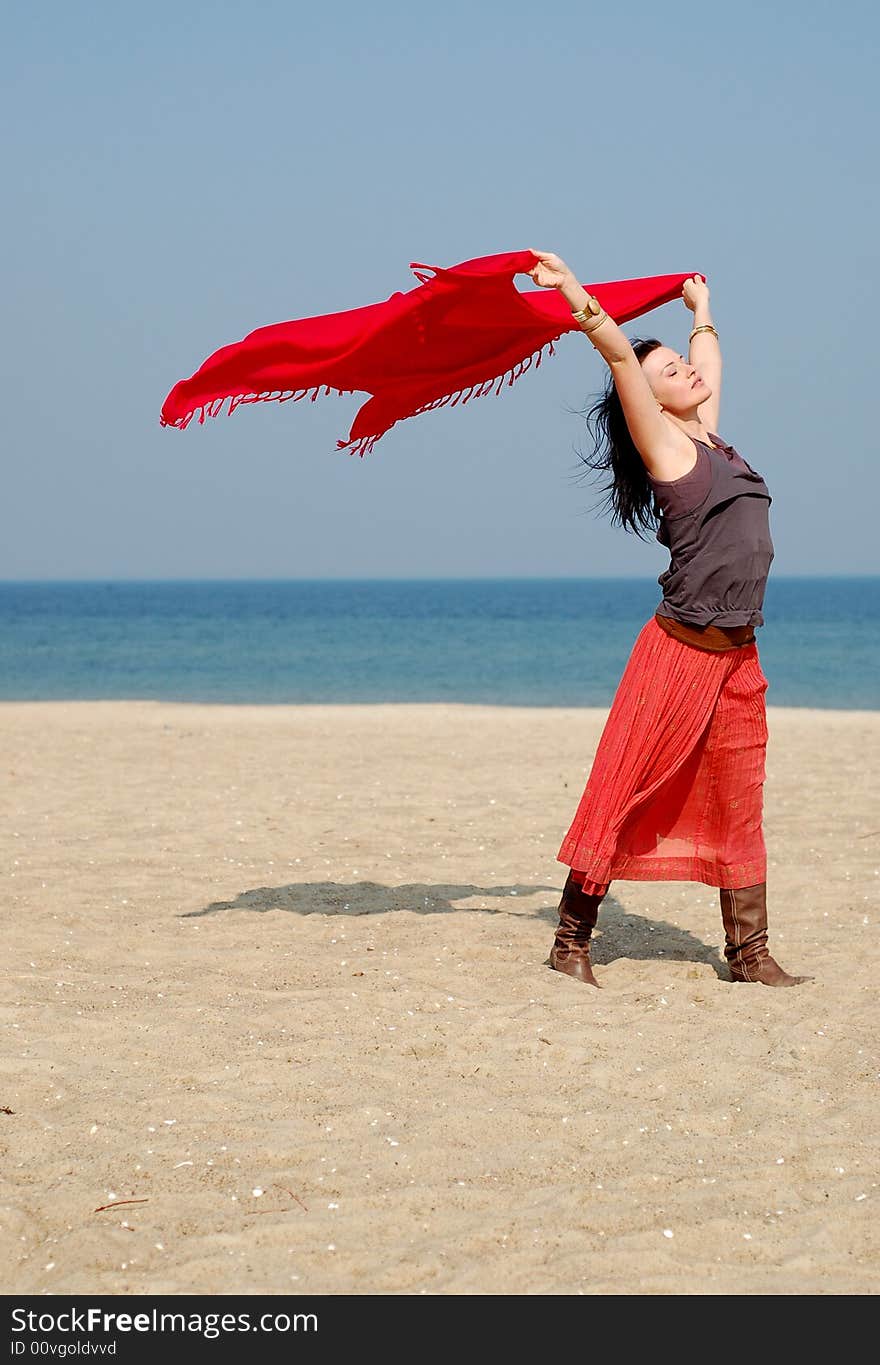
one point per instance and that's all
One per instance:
(620, 933)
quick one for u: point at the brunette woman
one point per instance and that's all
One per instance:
(675, 792)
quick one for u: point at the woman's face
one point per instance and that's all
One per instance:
(675, 382)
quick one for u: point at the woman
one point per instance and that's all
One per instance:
(675, 792)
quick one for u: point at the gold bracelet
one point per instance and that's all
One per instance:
(706, 327)
(597, 322)
(584, 314)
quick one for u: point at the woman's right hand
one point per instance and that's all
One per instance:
(550, 270)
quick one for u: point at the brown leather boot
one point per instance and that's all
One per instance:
(744, 916)
(578, 912)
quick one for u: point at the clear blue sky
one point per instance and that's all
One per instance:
(178, 174)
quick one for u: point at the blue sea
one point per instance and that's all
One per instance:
(512, 641)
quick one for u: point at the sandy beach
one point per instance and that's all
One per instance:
(275, 978)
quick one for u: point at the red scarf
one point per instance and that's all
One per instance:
(460, 333)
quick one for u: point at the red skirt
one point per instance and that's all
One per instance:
(676, 789)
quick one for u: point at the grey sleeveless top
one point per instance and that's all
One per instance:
(715, 522)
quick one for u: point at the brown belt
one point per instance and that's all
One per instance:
(707, 637)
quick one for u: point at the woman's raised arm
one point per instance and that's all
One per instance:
(705, 350)
(653, 437)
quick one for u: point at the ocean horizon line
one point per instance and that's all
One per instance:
(421, 578)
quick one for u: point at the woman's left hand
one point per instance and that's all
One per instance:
(694, 291)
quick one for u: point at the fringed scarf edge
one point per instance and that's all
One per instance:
(362, 445)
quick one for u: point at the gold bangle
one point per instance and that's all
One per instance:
(585, 314)
(706, 327)
(596, 322)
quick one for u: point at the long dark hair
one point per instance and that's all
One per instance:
(629, 493)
